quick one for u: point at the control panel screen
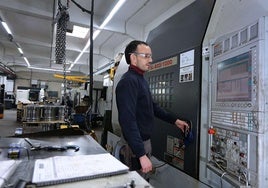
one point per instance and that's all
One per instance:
(234, 78)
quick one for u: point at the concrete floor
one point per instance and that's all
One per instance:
(9, 123)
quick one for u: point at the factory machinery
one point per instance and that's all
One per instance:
(213, 73)
(237, 150)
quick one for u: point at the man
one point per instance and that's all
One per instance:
(136, 108)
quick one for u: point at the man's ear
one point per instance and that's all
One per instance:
(133, 59)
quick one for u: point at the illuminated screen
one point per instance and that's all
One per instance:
(234, 79)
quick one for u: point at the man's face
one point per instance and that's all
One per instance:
(142, 57)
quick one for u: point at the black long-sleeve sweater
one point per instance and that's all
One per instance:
(136, 110)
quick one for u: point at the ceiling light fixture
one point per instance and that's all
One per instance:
(20, 50)
(10, 34)
(97, 32)
(79, 32)
(26, 60)
(47, 69)
(112, 13)
(6, 27)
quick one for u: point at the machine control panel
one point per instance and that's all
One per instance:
(241, 120)
(238, 112)
(234, 153)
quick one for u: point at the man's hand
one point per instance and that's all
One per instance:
(146, 164)
(182, 125)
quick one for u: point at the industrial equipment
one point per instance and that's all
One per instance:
(238, 114)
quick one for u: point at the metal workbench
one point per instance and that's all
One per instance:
(72, 136)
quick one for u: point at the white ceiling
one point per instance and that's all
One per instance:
(31, 23)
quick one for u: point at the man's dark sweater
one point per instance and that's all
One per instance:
(137, 110)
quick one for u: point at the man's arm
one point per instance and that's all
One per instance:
(169, 117)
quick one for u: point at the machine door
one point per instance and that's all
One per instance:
(175, 82)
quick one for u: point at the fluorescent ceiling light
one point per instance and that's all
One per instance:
(6, 28)
(97, 32)
(26, 60)
(47, 69)
(20, 50)
(79, 32)
(112, 13)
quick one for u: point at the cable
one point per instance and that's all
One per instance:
(223, 174)
(160, 165)
(245, 176)
(79, 6)
(221, 167)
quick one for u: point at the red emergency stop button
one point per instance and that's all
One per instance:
(211, 131)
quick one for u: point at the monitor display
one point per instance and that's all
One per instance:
(234, 79)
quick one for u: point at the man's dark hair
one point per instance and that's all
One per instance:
(132, 47)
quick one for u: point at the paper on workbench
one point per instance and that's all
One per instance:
(62, 169)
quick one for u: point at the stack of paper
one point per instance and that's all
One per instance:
(62, 169)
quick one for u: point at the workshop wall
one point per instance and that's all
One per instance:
(25, 79)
